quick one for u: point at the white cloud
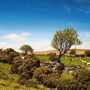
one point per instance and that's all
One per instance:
(42, 45)
(3, 44)
(16, 37)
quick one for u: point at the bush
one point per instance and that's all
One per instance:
(87, 52)
(68, 84)
(52, 56)
(29, 65)
(41, 73)
(28, 83)
(3, 76)
(25, 67)
(82, 75)
(15, 65)
(51, 80)
(7, 55)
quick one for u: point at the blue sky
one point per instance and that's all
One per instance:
(35, 21)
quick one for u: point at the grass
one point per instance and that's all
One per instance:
(11, 83)
(71, 60)
(76, 61)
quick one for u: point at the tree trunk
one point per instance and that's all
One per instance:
(59, 56)
(25, 52)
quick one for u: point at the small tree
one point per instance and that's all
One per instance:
(63, 40)
(26, 48)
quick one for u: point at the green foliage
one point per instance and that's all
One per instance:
(7, 55)
(87, 52)
(51, 80)
(64, 39)
(68, 84)
(3, 76)
(41, 72)
(82, 75)
(26, 65)
(26, 49)
(16, 64)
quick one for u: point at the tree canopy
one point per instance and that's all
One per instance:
(64, 39)
(26, 49)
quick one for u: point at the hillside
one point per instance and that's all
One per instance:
(78, 51)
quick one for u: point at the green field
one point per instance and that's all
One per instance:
(71, 60)
(11, 83)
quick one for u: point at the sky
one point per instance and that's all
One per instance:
(34, 22)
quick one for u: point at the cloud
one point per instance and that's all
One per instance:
(85, 38)
(3, 44)
(42, 45)
(85, 34)
(84, 45)
(16, 37)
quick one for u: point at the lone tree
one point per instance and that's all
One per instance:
(63, 40)
(26, 49)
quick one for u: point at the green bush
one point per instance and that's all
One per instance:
(87, 52)
(51, 80)
(82, 75)
(68, 84)
(41, 73)
(25, 67)
(29, 65)
(7, 55)
(16, 64)
(28, 83)
(3, 76)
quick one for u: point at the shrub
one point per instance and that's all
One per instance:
(29, 65)
(51, 80)
(52, 56)
(87, 52)
(3, 76)
(28, 83)
(41, 73)
(82, 75)
(15, 65)
(25, 67)
(31, 83)
(68, 84)
(7, 55)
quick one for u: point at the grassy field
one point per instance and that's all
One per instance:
(71, 60)
(11, 83)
